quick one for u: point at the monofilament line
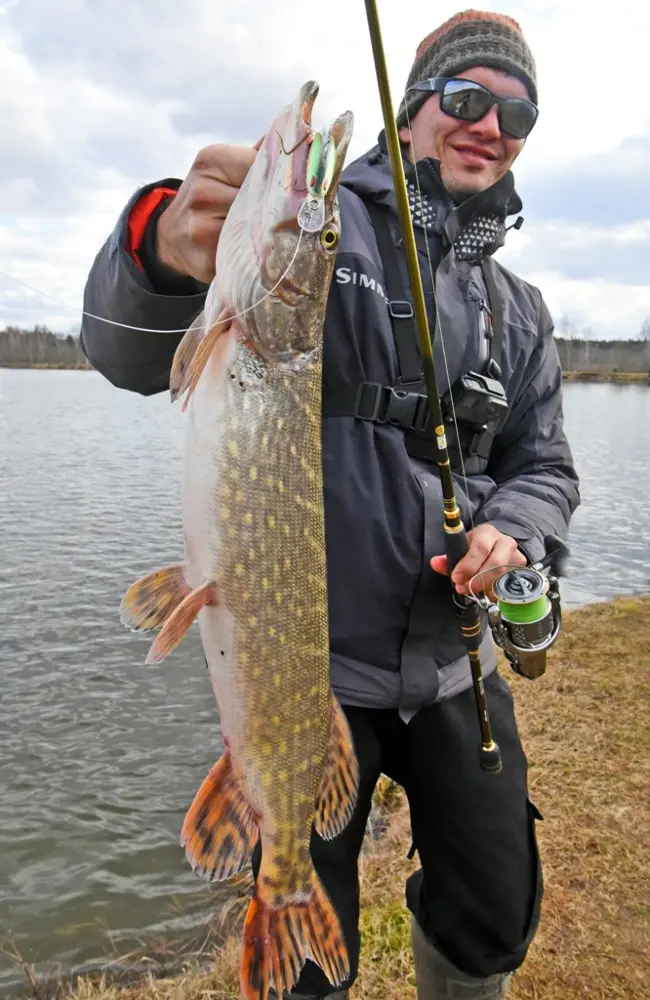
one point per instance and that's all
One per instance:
(145, 329)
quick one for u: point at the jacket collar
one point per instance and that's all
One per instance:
(371, 176)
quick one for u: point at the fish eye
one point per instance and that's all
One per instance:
(329, 237)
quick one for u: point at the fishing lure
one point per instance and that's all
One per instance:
(320, 170)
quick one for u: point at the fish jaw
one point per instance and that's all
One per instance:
(284, 270)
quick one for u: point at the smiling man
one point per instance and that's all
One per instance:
(398, 665)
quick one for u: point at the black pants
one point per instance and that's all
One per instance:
(477, 894)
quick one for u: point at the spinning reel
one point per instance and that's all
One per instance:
(525, 615)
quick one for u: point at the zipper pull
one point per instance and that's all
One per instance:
(487, 318)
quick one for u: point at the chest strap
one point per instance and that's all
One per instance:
(405, 404)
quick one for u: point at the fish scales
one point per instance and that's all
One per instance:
(254, 573)
(270, 509)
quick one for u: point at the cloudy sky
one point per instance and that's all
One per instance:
(99, 96)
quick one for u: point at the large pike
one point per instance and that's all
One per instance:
(254, 573)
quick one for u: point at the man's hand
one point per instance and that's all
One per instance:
(188, 230)
(488, 549)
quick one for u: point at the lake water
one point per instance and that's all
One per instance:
(100, 756)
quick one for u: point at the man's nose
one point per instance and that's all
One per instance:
(488, 126)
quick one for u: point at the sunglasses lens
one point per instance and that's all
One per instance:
(470, 102)
(465, 100)
(518, 117)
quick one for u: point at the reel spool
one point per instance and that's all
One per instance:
(525, 618)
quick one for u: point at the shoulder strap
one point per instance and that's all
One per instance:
(496, 308)
(400, 309)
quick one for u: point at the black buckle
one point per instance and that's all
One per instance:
(390, 405)
(400, 309)
(473, 441)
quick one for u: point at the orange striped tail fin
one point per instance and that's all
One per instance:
(278, 941)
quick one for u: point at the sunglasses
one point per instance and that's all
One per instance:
(470, 102)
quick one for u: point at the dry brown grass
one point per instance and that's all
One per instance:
(586, 729)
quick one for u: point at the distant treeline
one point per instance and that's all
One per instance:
(40, 348)
(605, 356)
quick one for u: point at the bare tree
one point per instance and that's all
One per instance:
(27, 348)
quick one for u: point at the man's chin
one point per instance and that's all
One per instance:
(462, 184)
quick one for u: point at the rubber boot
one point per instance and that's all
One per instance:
(437, 979)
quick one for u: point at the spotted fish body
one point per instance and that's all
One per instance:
(255, 571)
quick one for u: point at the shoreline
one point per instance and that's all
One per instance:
(45, 366)
(586, 733)
(639, 378)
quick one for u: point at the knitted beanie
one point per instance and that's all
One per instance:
(470, 38)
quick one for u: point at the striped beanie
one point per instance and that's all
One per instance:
(470, 38)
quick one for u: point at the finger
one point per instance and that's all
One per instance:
(478, 553)
(504, 554)
(226, 163)
(439, 565)
(209, 194)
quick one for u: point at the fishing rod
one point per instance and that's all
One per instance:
(524, 616)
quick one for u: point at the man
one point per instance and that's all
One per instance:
(398, 665)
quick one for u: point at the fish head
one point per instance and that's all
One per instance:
(296, 230)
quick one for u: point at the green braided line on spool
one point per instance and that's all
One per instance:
(524, 613)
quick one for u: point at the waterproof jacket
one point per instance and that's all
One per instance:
(394, 636)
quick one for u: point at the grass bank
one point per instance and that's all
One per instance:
(586, 729)
(613, 376)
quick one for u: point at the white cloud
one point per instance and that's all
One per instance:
(98, 96)
(603, 308)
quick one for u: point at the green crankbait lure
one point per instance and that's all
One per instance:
(320, 170)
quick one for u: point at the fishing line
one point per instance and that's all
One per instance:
(144, 329)
(482, 572)
(437, 318)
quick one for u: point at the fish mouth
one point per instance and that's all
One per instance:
(307, 160)
(306, 164)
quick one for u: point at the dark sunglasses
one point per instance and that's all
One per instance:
(470, 102)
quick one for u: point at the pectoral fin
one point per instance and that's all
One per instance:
(194, 351)
(337, 794)
(184, 354)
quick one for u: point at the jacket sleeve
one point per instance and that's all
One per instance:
(531, 461)
(121, 289)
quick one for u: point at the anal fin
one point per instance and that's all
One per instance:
(150, 600)
(220, 828)
(180, 620)
(337, 794)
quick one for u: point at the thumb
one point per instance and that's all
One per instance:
(439, 564)
(259, 142)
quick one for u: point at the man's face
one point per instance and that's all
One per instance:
(472, 155)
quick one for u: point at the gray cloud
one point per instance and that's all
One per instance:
(608, 190)
(115, 94)
(218, 80)
(584, 253)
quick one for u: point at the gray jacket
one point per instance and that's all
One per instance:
(395, 640)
